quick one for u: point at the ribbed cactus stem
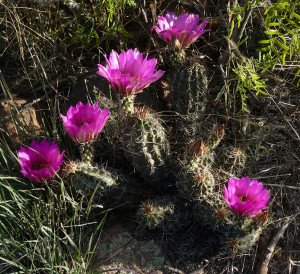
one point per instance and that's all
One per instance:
(146, 144)
(127, 103)
(188, 97)
(87, 153)
(178, 57)
(96, 172)
(94, 181)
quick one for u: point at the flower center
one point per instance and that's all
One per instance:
(132, 79)
(88, 121)
(243, 199)
(148, 209)
(39, 166)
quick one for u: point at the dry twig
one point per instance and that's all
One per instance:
(263, 266)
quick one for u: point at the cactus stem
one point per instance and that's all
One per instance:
(127, 103)
(87, 153)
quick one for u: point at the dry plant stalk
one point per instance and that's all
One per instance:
(264, 264)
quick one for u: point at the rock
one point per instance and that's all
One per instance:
(19, 119)
(120, 250)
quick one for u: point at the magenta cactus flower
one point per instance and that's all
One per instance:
(184, 27)
(129, 73)
(40, 162)
(245, 197)
(85, 122)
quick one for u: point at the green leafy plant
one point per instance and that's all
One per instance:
(248, 79)
(282, 22)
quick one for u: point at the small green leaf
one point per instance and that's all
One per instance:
(244, 40)
(231, 28)
(264, 49)
(261, 91)
(266, 41)
(281, 45)
(292, 23)
(271, 32)
(296, 15)
(273, 25)
(288, 30)
(276, 53)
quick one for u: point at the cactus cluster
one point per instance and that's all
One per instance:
(142, 138)
(191, 172)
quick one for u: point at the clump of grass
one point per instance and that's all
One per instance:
(54, 49)
(43, 229)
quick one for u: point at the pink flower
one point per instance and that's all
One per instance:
(245, 197)
(185, 28)
(129, 73)
(85, 122)
(40, 162)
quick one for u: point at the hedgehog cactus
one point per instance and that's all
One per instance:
(188, 98)
(155, 212)
(216, 136)
(146, 144)
(195, 179)
(211, 212)
(247, 200)
(243, 232)
(232, 159)
(189, 88)
(196, 183)
(95, 181)
(127, 103)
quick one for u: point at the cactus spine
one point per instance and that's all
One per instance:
(233, 160)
